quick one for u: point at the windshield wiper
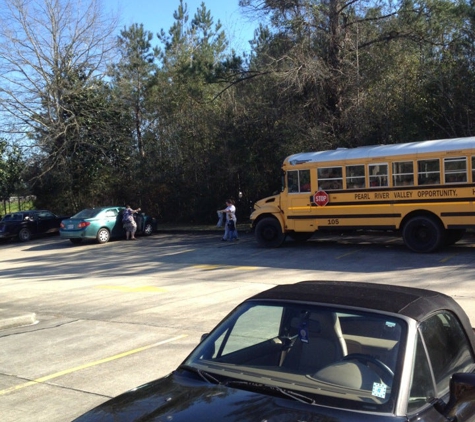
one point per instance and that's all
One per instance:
(256, 386)
(249, 385)
(203, 374)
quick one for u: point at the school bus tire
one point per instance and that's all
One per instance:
(269, 233)
(423, 234)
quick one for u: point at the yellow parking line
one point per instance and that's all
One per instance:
(177, 252)
(207, 267)
(395, 239)
(87, 365)
(447, 258)
(346, 254)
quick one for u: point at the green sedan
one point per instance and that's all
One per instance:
(102, 224)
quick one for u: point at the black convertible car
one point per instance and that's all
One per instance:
(25, 224)
(320, 351)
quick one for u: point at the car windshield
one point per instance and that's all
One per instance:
(335, 357)
(87, 213)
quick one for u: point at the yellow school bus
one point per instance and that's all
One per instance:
(423, 191)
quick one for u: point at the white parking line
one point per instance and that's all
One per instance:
(209, 267)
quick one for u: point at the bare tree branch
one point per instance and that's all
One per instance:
(41, 42)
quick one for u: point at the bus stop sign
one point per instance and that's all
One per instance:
(321, 198)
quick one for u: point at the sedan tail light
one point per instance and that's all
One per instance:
(83, 224)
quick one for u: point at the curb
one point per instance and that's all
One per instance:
(10, 319)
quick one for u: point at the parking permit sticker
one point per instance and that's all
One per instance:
(379, 390)
(303, 332)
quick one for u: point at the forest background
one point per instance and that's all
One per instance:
(177, 122)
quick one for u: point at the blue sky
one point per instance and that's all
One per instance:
(158, 14)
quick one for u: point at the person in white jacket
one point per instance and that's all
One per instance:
(230, 212)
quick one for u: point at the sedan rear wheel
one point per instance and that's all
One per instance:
(148, 229)
(24, 235)
(103, 236)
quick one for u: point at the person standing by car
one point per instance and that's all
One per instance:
(128, 220)
(230, 212)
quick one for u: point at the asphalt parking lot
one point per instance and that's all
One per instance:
(110, 317)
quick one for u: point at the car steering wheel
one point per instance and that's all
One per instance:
(370, 359)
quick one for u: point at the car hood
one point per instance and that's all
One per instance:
(182, 398)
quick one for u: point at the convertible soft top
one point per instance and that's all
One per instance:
(408, 301)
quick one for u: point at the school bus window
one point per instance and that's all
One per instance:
(403, 173)
(298, 181)
(455, 169)
(428, 172)
(330, 178)
(304, 180)
(378, 175)
(355, 177)
(293, 181)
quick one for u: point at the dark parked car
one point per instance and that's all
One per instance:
(320, 351)
(25, 224)
(102, 224)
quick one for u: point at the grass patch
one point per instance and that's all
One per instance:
(7, 207)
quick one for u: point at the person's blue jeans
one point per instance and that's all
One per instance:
(228, 233)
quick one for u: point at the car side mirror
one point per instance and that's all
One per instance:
(462, 396)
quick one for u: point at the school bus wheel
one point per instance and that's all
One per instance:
(269, 233)
(423, 234)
